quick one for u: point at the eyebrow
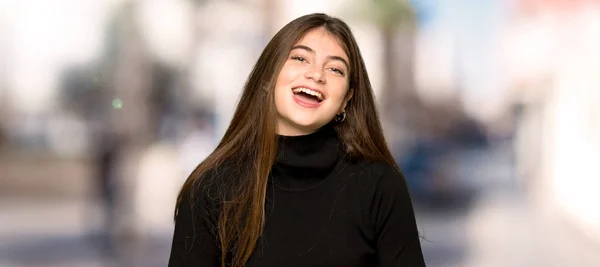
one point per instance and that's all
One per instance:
(303, 47)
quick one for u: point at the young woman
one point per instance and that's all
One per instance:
(303, 175)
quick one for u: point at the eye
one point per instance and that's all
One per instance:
(299, 58)
(338, 71)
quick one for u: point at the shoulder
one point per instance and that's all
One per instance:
(388, 177)
(376, 173)
(374, 178)
(380, 188)
(380, 169)
(207, 189)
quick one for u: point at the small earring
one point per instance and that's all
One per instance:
(339, 118)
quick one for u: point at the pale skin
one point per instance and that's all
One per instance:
(317, 61)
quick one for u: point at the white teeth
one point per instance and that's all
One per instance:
(308, 91)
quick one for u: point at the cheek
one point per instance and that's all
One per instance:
(339, 95)
(287, 75)
(280, 83)
(284, 79)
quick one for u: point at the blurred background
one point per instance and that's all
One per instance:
(491, 107)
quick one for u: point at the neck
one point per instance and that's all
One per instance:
(285, 132)
(303, 161)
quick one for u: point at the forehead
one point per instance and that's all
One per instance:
(322, 41)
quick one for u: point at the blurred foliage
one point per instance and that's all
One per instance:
(386, 14)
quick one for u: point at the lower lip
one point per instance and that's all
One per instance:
(304, 104)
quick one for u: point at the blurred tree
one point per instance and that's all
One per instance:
(127, 66)
(396, 22)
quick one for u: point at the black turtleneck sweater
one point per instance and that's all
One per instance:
(321, 210)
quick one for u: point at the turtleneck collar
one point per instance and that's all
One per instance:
(304, 161)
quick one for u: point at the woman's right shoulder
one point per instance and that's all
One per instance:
(208, 187)
(198, 197)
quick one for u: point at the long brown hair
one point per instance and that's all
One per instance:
(250, 142)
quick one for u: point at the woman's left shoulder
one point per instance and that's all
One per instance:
(381, 170)
(380, 175)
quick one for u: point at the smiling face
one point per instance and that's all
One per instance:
(312, 86)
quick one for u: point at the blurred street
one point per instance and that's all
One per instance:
(500, 227)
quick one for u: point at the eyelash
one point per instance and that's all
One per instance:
(302, 59)
(299, 58)
(338, 71)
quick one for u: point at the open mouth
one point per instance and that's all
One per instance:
(307, 95)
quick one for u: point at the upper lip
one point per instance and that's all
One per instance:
(311, 88)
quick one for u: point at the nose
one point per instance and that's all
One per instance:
(315, 74)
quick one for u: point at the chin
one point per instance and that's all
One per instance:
(308, 125)
(303, 126)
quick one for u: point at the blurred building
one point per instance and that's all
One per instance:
(554, 58)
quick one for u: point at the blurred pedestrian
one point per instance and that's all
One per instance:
(107, 156)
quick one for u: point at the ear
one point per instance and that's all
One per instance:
(348, 97)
